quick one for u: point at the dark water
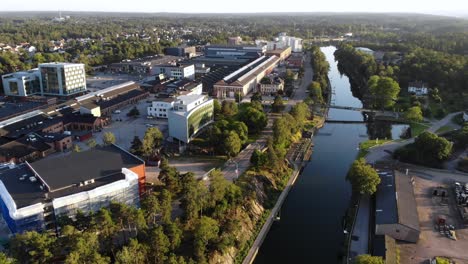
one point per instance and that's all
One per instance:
(310, 230)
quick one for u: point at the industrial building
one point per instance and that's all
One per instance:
(396, 215)
(189, 114)
(34, 195)
(235, 55)
(105, 101)
(245, 79)
(53, 79)
(283, 54)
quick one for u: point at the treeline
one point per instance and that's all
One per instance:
(232, 127)
(375, 84)
(319, 88)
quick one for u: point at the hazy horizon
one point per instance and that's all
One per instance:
(450, 7)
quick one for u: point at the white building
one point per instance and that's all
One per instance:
(190, 113)
(160, 108)
(365, 50)
(22, 83)
(62, 79)
(284, 41)
(418, 88)
(175, 71)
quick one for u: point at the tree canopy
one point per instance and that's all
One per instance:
(364, 179)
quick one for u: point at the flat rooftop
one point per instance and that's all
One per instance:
(11, 109)
(26, 192)
(72, 168)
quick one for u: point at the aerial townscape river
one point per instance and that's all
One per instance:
(312, 215)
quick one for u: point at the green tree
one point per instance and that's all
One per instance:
(4, 259)
(166, 206)
(229, 108)
(134, 253)
(108, 138)
(256, 120)
(316, 92)
(258, 159)
(134, 112)
(414, 114)
(91, 143)
(241, 130)
(206, 231)
(300, 112)
(76, 148)
(217, 111)
(364, 179)
(232, 144)
(278, 104)
(158, 246)
(433, 146)
(136, 146)
(86, 250)
(175, 234)
(256, 97)
(368, 259)
(151, 141)
(384, 91)
(218, 187)
(32, 247)
(170, 177)
(151, 206)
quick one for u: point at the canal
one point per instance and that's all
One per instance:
(310, 229)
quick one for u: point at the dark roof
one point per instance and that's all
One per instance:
(52, 137)
(77, 118)
(24, 192)
(72, 168)
(28, 125)
(11, 109)
(23, 147)
(378, 247)
(121, 98)
(395, 202)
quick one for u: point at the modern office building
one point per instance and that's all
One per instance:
(62, 79)
(245, 79)
(190, 113)
(22, 83)
(176, 71)
(34, 195)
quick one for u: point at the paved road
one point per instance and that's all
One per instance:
(361, 228)
(238, 165)
(383, 151)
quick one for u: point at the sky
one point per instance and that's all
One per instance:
(448, 7)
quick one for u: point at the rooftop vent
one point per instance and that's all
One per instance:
(32, 179)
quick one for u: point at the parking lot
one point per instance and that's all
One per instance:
(129, 127)
(431, 208)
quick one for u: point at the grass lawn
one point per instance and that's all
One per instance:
(417, 128)
(366, 145)
(444, 129)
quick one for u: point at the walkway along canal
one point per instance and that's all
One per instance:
(310, 229)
